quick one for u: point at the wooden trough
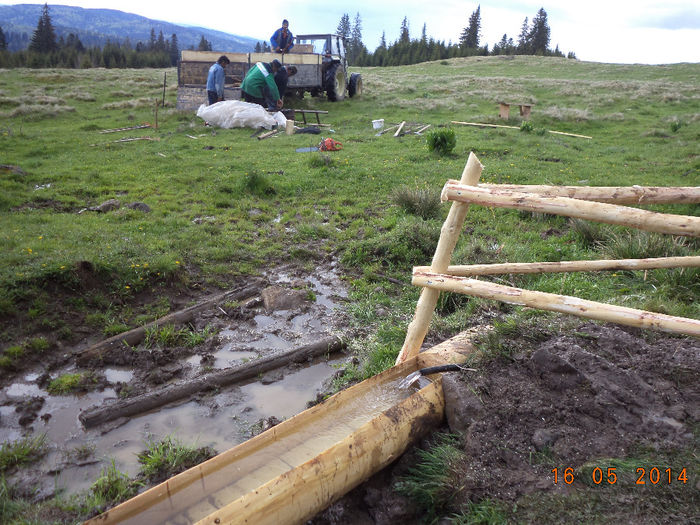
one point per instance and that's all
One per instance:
(294, 470)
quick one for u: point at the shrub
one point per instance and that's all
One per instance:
(527, 127)
(257, 184)
(421, 202)
(442, 141)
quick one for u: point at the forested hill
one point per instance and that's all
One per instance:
(94, 27)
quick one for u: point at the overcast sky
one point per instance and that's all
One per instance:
(620, 31)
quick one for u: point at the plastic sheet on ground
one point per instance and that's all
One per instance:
(239, 114)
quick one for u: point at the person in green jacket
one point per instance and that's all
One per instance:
(259, 85)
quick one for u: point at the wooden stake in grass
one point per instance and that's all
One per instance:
(593, 211)
(568, 266)
(449, 234)
(610, 194)
(398, 131)
(558, 303)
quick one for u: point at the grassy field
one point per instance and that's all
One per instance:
(225, 206)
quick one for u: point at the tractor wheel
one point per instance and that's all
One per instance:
(335, 83)
(355, 85)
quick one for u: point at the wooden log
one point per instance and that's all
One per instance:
(592, 211)
(398, 131)
(115, 130)
(308, 479)
(568, 266)
(137, 405)
(610, 194)
(559, 303)
(478, 124)
(268, 134)
(481, 125)
(449, 235)
(97, 351)
(392, 128)
(421, 130)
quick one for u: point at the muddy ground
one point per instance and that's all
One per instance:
(566, 400)
(573, 400)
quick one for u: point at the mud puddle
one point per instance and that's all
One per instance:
(219, 420)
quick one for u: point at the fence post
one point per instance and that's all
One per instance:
(449, 235)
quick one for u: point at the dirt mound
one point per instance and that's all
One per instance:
(596, 393)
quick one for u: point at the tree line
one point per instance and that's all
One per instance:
(45, 50)
(534, 39)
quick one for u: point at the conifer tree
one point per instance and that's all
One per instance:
(343, 28)
(174, 50)
(355, 42)
(3, 40)
(539, 33)
(204, 44)
(524, 38)
(404, 37)
(470, 36)
(44, 37)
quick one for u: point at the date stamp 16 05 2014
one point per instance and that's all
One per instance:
(608, 475)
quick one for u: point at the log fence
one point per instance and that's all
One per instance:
(601, 204)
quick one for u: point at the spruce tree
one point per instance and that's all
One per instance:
(174, 50)
(344, 27)
(204, 45)
(470, 37)
(524, 38)
(3, 40)
(404, 37)
(356, 45)
(44, 37)
(539, 34)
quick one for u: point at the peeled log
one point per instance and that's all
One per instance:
(559, 303)
(610, 194)
(137, 405)
(593, 211)
(449, 235)
(568, 266)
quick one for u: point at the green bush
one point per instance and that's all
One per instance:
(527, 127)
(418, 201)
(442, 141)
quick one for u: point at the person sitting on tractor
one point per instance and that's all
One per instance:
(282, 40)
(259, 86)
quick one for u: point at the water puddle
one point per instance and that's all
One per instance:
(221, 420)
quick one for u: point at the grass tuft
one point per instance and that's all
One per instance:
(22, 451)
(167, 457)
(422, 202)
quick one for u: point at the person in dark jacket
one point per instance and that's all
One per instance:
(282, 40)
(282, 78)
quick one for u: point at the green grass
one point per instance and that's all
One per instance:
(164, 458)
(71, 383)
(225, 206)
(22, 451)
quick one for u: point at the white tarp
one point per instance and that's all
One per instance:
(239, 114)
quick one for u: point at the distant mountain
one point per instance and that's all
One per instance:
(95, 27)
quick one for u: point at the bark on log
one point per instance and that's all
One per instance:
(135, 336)
(559, 303)
(593, 211)
(568, 266)
(137, 405)
(611, 194)
(449, 235)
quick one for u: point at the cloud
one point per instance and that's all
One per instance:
(685, 19)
